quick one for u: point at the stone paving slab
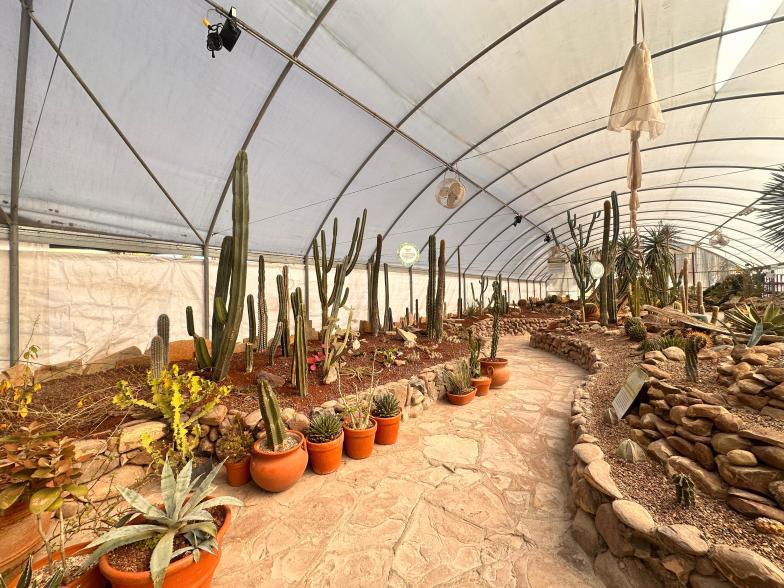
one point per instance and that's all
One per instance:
(469, 496)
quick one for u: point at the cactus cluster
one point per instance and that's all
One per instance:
(299, 367)
(635, 329)
(693, 346)
(436, 282)
(684, 489)
(474, 347)
(274, 427)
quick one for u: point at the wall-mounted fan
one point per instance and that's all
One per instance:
(450, 192)
(719, 239)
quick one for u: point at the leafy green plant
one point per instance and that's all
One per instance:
(183, 514)
(182, 399)
(627, 261)
(747, 320)
(388, 356)
(386, 406)
(324, 427)
(459, 380)
(235, 444)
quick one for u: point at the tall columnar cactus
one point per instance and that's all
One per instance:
(261, 343)
(274, 342)
(684, 298)
(282, 331)
(483, 282)
(416, 312)
(700, 302)
(163, 333)
(604, 316)
(325, 264)
(432, 285)
(612, 295)
(248, 358)
(251, 319)
(693, 346)
(157, 365)
(440, 292)
(460, 292)
(374, 266)
(299, 366)
(274, 427)
(334, 348)
(714, 315)
(232, 269)
(685, 290)
(203, 357)
(495, 308)
(387, 309)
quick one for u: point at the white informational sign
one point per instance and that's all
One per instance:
(628, 394)
(408, 254)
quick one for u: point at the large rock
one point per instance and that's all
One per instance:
(17, 375)
(127, 476)
(616, 534)
(746, 569)
(661, 450)
(754, 478)
(765, 435)
(597, 473)
(111, 361)
(726, 442)
(705, 481)
(683, 539)
(130, 437)
(710, 411)
(587, 452)
(655, 372)
(182, 350)
(741, 457)
(634, 516)
(215, 416)
(674, 354)
(58, 371)
(701, 427)
(772, 456)
(728, 423)
(627, 572)
(585, 534)
(754, 509)
(252, 419)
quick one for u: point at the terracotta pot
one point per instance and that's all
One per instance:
(326, 458)
(183, 572)
(461, 399)
(387, 429)
(496, 369)
(482, 385)
(92, 579)
(359, 442)
(238, 473)
(19, 535)
(278, 471)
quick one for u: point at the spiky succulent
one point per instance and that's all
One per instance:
(386, 406)
(629, 322)
(647, 345)
(27, 580)
(747, 320)
(459, 380)
(684, 489)
(324, 427)
(635, 329)
(184, 514)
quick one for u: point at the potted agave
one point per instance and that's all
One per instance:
(325, 442)
(459, 390)
(359, 428)
(386, 412)
(478, 381)
(279, 458)
(234, 449)
(495, 368)
(177, 541)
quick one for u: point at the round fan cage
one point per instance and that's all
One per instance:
(450, 193)
(719, 240)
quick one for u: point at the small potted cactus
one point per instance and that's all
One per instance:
(359, 428)
(234, 449)
(325, 442)
(478, 381)
(386, 412)
(279, 458)
(459, 390)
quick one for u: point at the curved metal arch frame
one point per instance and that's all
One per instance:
(552, 148)
(651, 189)
(424, 101)
(541, 248)
(597, 78)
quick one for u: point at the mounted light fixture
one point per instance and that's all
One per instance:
(518, 219)
(222, 35)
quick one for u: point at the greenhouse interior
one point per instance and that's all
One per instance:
(372, 293)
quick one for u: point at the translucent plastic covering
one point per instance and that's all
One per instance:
(514, 94)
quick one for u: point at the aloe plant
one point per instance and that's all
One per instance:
(184, 514)
(747, 320)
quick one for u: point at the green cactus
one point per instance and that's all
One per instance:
(221, 287)
(635, 329)
(684, 489)
(693, 346)
(203, 357)
(275, 341)
(251, 319)
(474, 347)
(460, 291)
(495, 308)
(157, 365)
(282, 332)
(248, 358)
(604, 315)
(700, 301)
(416, 312)
(438, 302)
(299, 366)
(274, 427)
(261, 341)
(324, 264)
(333, 347)
(189, 321)
(714, 315)
(387, 309)
(163, 333)
(685, 286)
(374, 266)
(483, 283)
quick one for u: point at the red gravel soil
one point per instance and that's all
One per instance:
(646, 481)
(81, 406)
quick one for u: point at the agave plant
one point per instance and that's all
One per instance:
(26, 579)
(657, 245)
(747, 320)
(324, 427)
(386, 406)
(184, 513)
(459, 381)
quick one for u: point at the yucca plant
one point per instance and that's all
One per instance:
(627, 261)
(657, 245)
(748, 321)
(459, 380)
(386, 406)
(26, 579)
(184, 514)
(324, 427)
(771, 207)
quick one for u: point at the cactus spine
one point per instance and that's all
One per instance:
(684, 489)
(693, 346)
(374, 267)
(299, 366)
(274, 427)
(387, 310)
(163, 333)
(325, 264)
(261, 343)
(700, 302)
(157, 364)
(495, 308)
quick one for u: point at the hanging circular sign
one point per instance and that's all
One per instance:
(596, 269)
(408, 254)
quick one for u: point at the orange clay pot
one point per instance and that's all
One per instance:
(482, 385)
(278, 471)
(387, 429)
(183, 572)
(326, 458)
(359, 442)
(496, 369)
(91, 579)
(19, 535)
(461, 399)
(238, 473)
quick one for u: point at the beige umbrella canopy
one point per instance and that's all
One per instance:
(635, 108)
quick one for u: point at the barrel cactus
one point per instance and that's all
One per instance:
(684, 489)
(630, 451)
(635, 329)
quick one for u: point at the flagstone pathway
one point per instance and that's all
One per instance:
(469, 496)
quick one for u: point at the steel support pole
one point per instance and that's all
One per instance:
(206, 289)
(307, 290)
(16, 157)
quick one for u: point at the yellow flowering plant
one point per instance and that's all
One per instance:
(22, 395)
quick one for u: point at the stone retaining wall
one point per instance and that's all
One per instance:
(511, 325)
(571, 348)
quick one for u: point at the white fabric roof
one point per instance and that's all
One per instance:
(529, 81)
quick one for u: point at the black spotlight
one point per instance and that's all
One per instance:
(547, 238)
(223, 34)
(518, 219)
